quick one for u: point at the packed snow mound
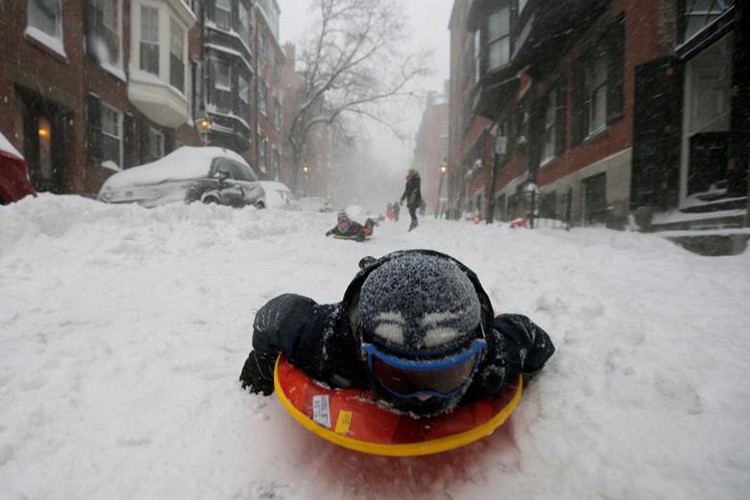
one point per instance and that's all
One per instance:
(124, 330)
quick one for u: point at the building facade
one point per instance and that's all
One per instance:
(271, 60)
(601, 111)
(97, 86)
(431, 152)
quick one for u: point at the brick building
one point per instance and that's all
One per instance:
(601, 109)
(431, 150)
(97, 86)
(271, 60)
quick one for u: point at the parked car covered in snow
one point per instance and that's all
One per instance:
(278, 195)
(315, 204)
(188, 174)
(14, 174)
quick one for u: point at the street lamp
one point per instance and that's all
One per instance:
(204, 127)
(305, 171)
(443, 170)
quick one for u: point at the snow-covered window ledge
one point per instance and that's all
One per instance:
(114, 71)
(546, 161)
(50, 42)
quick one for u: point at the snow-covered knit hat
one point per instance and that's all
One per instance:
(342, 216)
(419, 304)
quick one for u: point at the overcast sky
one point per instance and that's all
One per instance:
(429, 25)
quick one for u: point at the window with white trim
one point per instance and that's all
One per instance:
(262, 145)
(176, 55)
(149, 47)
(104, 31)
(498, 38)
(223, 14)
(46, 16)
(550, 134)
(111, 134)
(155, 143)
(698, 14)
(596, 87)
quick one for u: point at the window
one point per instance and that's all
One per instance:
(550, 138)
(477, 57)
(698, 14)
(597, 96)
(197, 103)
(596, 89)
(262, 145)
(223, 14)
(262, 94)
(243, 24)
(155, 144)
(176, 56)
(263, 49)
(222, 86)
(111, 134)
(243, 89)
(46, 16)
(104, 36)
(276, 114)
(498, 39)
(150, 40)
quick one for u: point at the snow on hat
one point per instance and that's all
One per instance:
(342, 216)
(419, 303)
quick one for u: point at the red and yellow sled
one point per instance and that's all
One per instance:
(352, 419)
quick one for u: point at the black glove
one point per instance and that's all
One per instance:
(257, 374)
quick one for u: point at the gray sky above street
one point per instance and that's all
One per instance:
(428, 20)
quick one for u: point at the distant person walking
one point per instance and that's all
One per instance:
(413, 196)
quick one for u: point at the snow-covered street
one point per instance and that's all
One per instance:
(123, 332)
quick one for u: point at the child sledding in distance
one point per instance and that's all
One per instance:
(347, 228)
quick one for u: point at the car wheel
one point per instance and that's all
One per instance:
(260, 205)
(210, 199)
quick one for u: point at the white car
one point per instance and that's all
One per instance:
(315, 204)
(188, 174)
(278, 195)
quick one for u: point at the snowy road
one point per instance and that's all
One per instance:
(123, 331)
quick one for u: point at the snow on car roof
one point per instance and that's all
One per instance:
(275, 185)
(5, 145)
(181, 164)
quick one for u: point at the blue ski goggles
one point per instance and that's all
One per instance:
(421, 378)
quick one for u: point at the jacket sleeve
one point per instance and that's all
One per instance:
(515, 345)
(532, 344)
(279, 325)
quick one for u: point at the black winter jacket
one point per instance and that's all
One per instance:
(318, 338)
(412, 191)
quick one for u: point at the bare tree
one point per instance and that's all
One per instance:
(353, 61)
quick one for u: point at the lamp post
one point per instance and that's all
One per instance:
(204, 127)
(443, 170)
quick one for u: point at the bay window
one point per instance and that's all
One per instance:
(223, 14)
(177, 56)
